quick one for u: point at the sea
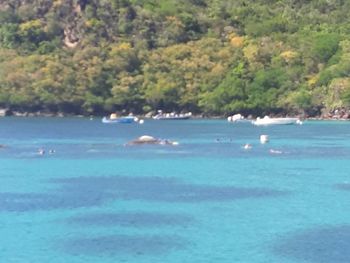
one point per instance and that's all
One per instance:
(72, 191)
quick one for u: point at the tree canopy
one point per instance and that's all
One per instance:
(205, 56)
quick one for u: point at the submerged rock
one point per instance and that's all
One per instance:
(146, 139)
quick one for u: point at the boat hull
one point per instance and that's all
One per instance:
(118, 120)
(172, 118)
(276, 121)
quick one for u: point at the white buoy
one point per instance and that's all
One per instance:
(141, 121)
(264, 138)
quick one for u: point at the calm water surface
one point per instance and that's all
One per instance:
(205, 200)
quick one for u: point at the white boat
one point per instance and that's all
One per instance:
(172, 116)
(275, 121)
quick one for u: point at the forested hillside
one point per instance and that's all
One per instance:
(205, 56)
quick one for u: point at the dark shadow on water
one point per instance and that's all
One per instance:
(139, 219)
(15, 202)
(123, 245)
(324, 245)
(94, 191)
(161, 189)
(344, 186)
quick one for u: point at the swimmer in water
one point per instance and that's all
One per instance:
(247, 146)
(275, 151)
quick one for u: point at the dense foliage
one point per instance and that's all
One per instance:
(211, 56)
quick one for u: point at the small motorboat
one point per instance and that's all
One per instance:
(275, 121)
(113, 118)
(172, 116)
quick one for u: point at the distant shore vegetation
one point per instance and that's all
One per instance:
(209, 57)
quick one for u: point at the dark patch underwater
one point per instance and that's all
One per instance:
(95, 191)
(123, 245)
(137, 219)
(323, 245)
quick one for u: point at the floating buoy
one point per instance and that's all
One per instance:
(141, 121)
(264, 138)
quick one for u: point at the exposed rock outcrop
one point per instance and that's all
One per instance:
(150, 140)
(74, 25)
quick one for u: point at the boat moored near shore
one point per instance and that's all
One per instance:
(172, 116)
(276, 121)
(113, 118)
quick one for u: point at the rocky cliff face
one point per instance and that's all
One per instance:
(68, 14)
(38, 6)
(73, 26)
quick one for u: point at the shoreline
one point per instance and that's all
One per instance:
(336, 115)
(214, 117)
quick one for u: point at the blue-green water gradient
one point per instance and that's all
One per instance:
(93, 199)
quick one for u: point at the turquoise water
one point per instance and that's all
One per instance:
(205, 200)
